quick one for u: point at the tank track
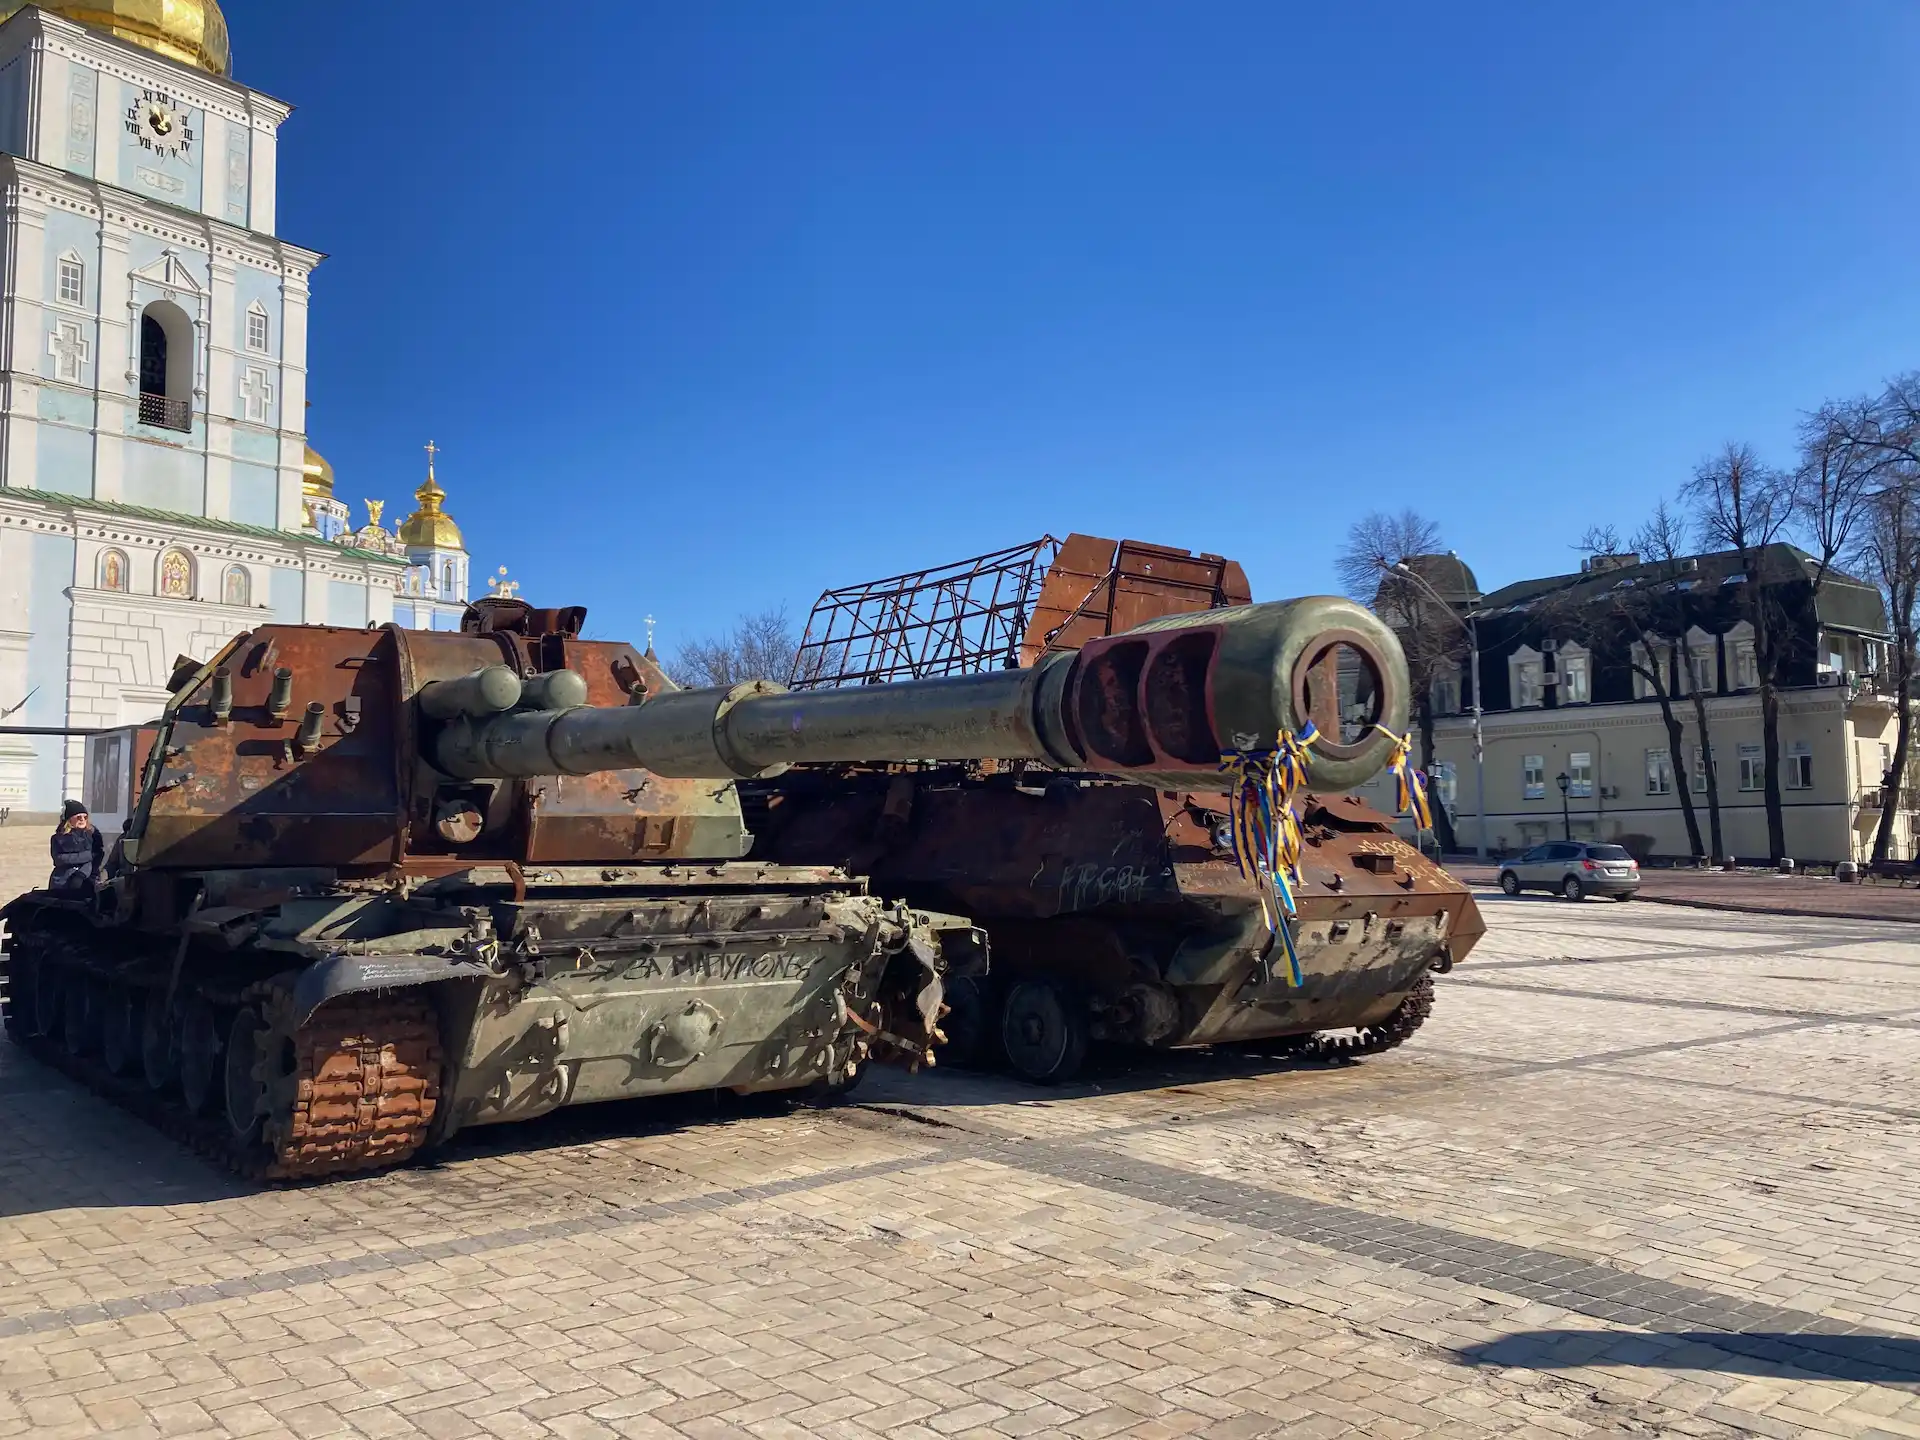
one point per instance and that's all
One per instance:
(357, 1084)
(1398, 1027)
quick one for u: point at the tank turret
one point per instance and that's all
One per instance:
(1119, 914)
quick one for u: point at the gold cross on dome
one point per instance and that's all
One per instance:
(432, 450)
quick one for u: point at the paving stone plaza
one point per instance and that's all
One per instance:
(1647, 1171)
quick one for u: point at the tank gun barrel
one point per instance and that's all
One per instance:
(1159, 703)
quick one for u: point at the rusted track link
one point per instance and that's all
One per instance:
(363, 1091)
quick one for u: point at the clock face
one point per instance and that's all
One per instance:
(158, 124)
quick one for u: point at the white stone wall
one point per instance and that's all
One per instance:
(123, 651)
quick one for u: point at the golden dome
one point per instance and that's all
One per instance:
(316, 476)
(194, 32)
(430, 527)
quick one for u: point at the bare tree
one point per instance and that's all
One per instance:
(1652, 613)
(1882, 435)
(759, 647)
(1430, 633)
(1656, 613)
(1739, 504)
(1889, 554)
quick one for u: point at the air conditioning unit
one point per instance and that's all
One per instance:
(1828, 678)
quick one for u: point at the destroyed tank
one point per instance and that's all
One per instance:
(1116, 910)
(379, 885)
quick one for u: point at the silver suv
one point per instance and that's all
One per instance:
(1574, 868)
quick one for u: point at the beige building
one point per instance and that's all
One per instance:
(1835, 746)
(1565, 698)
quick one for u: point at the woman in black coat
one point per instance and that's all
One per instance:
(78, 852)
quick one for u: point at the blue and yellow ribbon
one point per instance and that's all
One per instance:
(1266, 831)
(1410, 785)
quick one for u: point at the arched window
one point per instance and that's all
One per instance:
(236, 586)
(166, 367)
(176, 574)
(113, 570)
(447, 582)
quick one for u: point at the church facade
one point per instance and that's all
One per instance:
(157, 490)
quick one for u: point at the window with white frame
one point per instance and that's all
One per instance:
(1799, 774)
(1701, 669)
(1746, 670)
(1580, 774)
(257, 329)
(1643, 661)
(1753, 768)
(1700, 762)
(72, 280)
(1526, 683)
(1533, 776)
(1659, 772)
(1576, 677)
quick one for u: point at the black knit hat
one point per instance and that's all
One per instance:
(71, 809)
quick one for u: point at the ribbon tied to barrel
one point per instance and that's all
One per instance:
(1410, 785)
(1266, 830)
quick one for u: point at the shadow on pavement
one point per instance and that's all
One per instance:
(1116, 1072)
(1876, 1359)
(62, 1148)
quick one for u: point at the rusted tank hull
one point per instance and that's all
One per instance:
(336, 1028)
(1122, 902)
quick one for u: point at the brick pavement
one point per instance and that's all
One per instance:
(23, 859)
(1647, 1171)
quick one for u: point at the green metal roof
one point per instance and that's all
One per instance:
(198, 522)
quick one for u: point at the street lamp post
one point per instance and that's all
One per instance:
(1566, 819)
(1469, 623)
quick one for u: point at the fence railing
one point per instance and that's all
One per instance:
(167, 414)
(1874, 797)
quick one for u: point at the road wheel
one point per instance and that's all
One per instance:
(159, 1061)
(199, 1051)
(1043, 1032)
(246, 1085)
(80, 1022)
(1572, 888)
(49, 999)
(120, 1029)
(1510, 882)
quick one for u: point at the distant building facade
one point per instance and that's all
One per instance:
(1564, 695)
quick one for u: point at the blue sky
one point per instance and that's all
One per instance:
(714, 305)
